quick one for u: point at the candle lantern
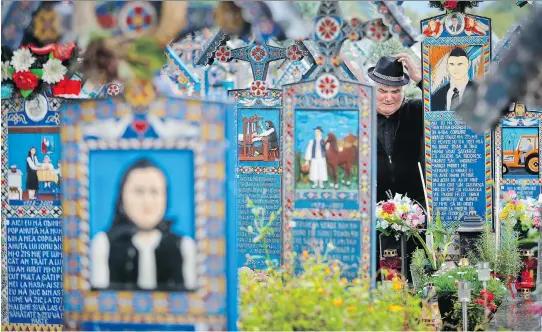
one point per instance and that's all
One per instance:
(393, 255)
(391, 262)
(464, 262)
(527, 275)
(463, 291)
(431, 311)
(463, 294)
(484, 273)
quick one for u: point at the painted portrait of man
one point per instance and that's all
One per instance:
(449, 95)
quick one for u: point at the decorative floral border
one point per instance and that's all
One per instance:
(428, 116)
(209, 305)
(351, 95)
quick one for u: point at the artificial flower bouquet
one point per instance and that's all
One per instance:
(523, 213)
(31, 69)
(399, 215)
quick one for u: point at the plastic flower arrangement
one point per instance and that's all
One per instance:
(30, 69)
(399, 215)
(523, 213)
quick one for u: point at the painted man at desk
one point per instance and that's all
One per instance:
(271, 134)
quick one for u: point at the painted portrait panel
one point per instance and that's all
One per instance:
(34, 163)
(453, 69)
(326, 158)
(142, 220)
(258, 137)
(520, 153)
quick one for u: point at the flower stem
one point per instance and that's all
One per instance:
(429, 256)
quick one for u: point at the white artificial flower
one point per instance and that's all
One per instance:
(53, 71)
(5, 70)
(22, 59)
(384, 224)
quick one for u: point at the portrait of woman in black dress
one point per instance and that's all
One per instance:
(139, 251)
(32, 166)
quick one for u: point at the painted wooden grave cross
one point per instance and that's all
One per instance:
(516, 149)
(328, 148)
(456, 53)
(258, 127)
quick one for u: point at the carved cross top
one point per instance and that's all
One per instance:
(330, 31)
(259, 55)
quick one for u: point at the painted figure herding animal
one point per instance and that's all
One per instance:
(344, 158)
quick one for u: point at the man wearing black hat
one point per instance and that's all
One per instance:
(400, 128)
(399, 134)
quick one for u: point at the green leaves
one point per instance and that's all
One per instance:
(37, 72)
(146, 57)
(26, 93)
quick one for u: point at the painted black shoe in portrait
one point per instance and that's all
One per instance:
(140, 251)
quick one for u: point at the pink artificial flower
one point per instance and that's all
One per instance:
(536, 222)
(514, 202)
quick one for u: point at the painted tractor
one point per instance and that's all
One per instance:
(512, 158)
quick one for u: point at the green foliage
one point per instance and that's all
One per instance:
(417, 267)
(509, 261)
(446, 283)
(476, 318)
(437, 252)
(486, 248)
(260, 229)
(318, 298)
(393, 47)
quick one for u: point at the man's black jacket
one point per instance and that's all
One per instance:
(397, 171)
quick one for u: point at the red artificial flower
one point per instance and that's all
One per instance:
(25, 80)
(487, 295)
(388, 207)
(60, 51)
(450, 5)
(480, 302)
(492, 306)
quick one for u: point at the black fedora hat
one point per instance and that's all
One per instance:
(389, 71)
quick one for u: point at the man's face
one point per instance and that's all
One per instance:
(389, 99)
(455, 21)
(458, 67)
(317, 133)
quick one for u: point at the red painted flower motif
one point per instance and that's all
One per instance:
(336, 61)
(223, 54)
(258, 89)
(388, 207)
(258, 53)
(378, 31)
(328, 86)
(25, 80)
(450, 5)
(320, 60)
(113, 89)
(328, 28)
(294, 53)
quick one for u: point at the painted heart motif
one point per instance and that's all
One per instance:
(140, 126)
